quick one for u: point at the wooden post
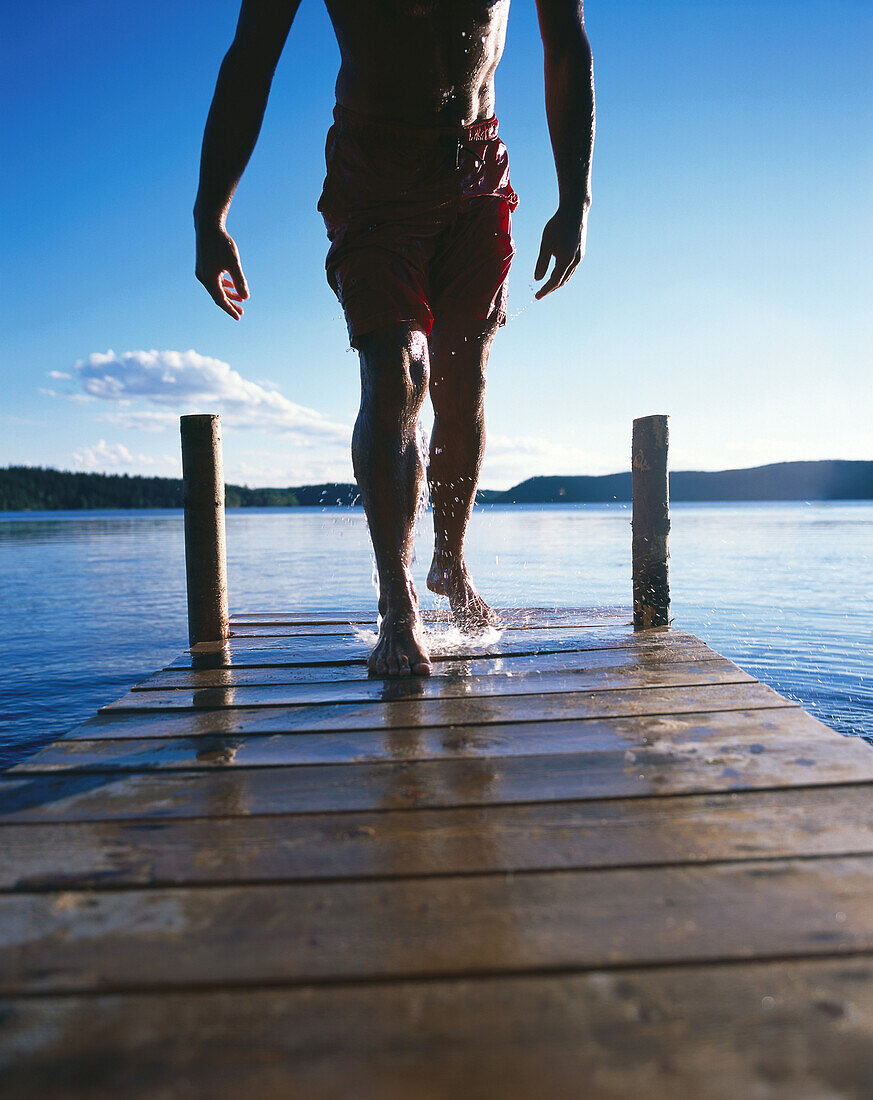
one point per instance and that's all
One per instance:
(651, 523)
(205, 553)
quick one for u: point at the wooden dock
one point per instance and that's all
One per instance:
(577, 861)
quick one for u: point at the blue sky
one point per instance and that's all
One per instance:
(728, 279)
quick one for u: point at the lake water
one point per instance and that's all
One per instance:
(92, 602)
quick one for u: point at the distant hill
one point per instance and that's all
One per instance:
(33, 488)
(827, 480)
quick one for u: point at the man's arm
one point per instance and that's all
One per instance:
(569, 75)
(232, 129)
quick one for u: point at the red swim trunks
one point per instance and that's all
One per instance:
(419, 220)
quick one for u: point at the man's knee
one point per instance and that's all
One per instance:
(394, 368)
(459, 369)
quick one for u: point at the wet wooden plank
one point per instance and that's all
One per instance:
(707, 736)
(340, 615)
(437, 624)
(538, 677)
(400, 843)
(324, 659)
(240, 792)
(618, 702)
(436, 832)
(678, 646)
(443, 644)
(299, 630)
(524, 617)
(211, 936)
(798, 1029)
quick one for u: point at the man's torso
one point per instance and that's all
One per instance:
(429, 62)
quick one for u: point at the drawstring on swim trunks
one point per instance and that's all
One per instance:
(453, 144)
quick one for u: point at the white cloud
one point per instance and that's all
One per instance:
(103, 456)
(186, 381)
(59, 374)
(509, 460)
(79, 398)
(262, 469)
(148, 390)
(145, 420)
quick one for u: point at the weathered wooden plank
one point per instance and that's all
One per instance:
(795, 1029)
(223, 935)
(539, 677)
(101, 796)
(618, 702)
(443, 645)
(441, 638)
(327, 665)
(399, 843)
(701, 736)
(298, 630)
(678, 646)
(302, 630)
(509, 616)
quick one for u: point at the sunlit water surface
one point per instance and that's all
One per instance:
(91, 602)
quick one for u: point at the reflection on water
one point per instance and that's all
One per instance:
(93, 602)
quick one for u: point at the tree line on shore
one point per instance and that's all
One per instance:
(36, 488)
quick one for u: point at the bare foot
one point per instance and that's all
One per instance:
(449, 577)
(400, 650)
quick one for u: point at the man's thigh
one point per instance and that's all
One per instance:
(380, 279)
(469, 271)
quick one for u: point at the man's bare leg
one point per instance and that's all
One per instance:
(388, 468)
(459, 358)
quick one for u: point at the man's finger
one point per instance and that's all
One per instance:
(218, 296)
(555, 280)
(230, 296)
(542, 261)
(230, 290)
(239, 280)
(547, 288)
(570, 269)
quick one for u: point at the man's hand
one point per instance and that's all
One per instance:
(563, 238)
(217, 256)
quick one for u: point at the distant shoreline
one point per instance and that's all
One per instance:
(39, 489)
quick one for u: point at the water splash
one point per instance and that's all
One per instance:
(443, 640)
(518, 312)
